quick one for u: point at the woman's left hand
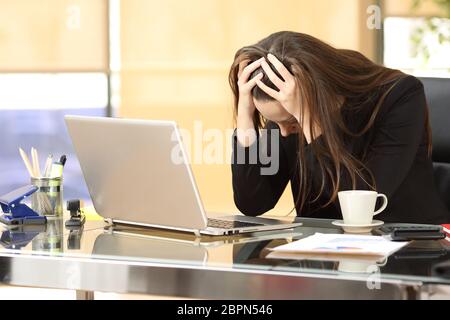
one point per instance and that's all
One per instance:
(289, 93)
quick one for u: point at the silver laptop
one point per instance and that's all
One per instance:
(132, 177)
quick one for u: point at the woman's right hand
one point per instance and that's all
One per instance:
(245, 104)
(246, 132)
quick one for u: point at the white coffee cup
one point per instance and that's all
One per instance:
(358, 206)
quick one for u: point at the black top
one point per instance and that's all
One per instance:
(397, 158)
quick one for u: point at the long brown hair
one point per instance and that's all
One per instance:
(328, 78)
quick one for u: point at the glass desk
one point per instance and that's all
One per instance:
(125, 259)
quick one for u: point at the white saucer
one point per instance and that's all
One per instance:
(352, 228)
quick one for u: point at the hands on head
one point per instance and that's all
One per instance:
(284, 106)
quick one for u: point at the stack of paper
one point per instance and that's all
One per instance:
(341, 244)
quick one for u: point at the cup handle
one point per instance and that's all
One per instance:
(385, 203)
(383, 262)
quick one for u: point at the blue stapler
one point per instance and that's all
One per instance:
(15, 212)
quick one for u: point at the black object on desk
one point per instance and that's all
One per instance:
(407, 231)
(77, 218)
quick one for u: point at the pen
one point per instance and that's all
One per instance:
(57, 167)
(63, 160)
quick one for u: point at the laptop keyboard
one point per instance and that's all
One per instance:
(224, 224)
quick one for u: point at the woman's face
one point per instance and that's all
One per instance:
(274, 111)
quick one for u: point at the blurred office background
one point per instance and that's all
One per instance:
(170, 60)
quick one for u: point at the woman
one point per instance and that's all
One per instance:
(345, 123)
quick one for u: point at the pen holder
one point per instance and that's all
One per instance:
(48, 199)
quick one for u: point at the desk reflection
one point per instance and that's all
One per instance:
(17, 237)
(418, 258)
(52, 239)
(47, 238)
(123, 243)
(250, 251)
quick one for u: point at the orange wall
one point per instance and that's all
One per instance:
(176, 56)
(53, 35)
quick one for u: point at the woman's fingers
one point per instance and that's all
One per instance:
(271, 92)
(242, 65)
(248, 70)
(280, 67)
(252, 82)
(272, 75)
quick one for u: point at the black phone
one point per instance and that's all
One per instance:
(407, 232)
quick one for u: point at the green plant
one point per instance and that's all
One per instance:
(435, 26)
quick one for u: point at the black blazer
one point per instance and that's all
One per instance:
(397, 156)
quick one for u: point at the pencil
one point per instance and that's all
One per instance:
(48, 166)
(35, 158)
(26, 161)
